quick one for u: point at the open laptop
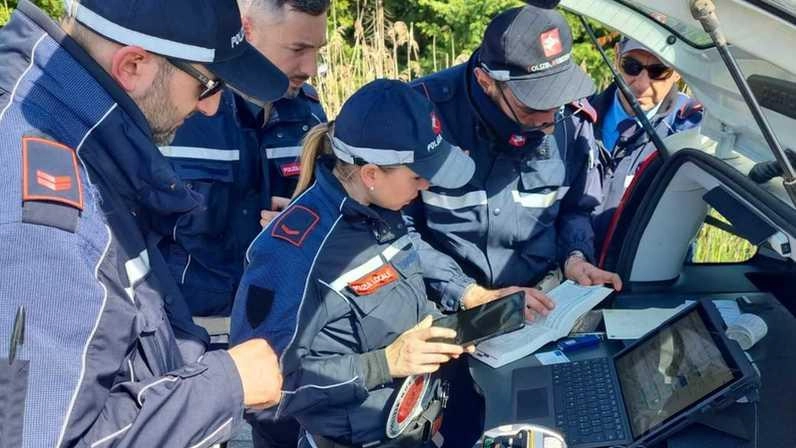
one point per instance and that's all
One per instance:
(646, 392)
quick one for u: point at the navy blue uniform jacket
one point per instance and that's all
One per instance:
(330, 284)
(236, 160)
(527, 206)
(82, 188)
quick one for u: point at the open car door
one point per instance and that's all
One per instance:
(652, 256)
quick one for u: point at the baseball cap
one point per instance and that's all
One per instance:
(386, 122)
(530, 49)
(208, 32)
(627, 45)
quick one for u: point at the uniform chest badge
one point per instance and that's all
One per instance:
(517, 140)
(291, 169)
(374, 280)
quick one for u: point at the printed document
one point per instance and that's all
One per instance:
(572, 301)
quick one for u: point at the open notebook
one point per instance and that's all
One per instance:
(572, 301)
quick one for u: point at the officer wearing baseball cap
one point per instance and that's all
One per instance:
(516, 107)
(85, 197)
(622, 144)
(344, 302)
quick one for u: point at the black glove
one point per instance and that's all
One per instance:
(765, 171)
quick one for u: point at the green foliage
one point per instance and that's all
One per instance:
(53, 7)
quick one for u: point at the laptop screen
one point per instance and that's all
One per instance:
(671, 371)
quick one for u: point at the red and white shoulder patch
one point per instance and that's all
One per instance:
(50, 173)
(295, 225)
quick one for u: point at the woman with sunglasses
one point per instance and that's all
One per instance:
(334, 282)
(623, 144)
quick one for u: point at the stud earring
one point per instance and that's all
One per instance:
(372, 188)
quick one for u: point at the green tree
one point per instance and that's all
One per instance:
(53, 7)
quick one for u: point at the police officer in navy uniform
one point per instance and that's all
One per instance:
(622, 143)
(344, 302)
(243, 161)
(84, 191)
(516, 107)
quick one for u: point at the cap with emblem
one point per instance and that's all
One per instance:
(207, 32)
(386, 122)
(530, 49)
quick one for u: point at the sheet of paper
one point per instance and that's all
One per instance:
(728, 309)
(632, 324)
(553, 357)
(572, 301)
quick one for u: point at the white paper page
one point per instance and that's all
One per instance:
(632, 324)
(728, 309)
(572, 301)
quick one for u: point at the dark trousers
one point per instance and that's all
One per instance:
(280, 434)
(463, 422)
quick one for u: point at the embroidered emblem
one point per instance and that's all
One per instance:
(374, 280)
(295, 225)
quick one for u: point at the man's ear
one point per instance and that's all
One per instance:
(134, 69)
(484, 80)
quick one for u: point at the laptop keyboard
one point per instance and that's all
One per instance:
(587, 410)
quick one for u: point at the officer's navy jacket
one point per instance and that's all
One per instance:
(615, 168)
(330, 284)
(81, 180)
(237, 161)
(525, 209)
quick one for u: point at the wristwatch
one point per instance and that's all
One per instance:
(574, 253)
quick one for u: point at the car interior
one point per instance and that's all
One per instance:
(701, 181)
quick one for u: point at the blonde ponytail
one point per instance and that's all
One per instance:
(316, 143)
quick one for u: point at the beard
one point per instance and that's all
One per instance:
(162, 116)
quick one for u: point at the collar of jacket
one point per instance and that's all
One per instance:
(296, 109)
(495, 125)
(603, 101)
(372, 216)
(132, 165)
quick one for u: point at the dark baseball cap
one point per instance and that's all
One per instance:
(207, 32)
(530, 49)
(386, 122)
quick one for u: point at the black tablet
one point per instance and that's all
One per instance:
(485, 321)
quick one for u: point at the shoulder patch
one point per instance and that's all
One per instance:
(295, 225)
(584, 107)
(52, 192)
(49, 173)
(310, 92)
(690, 108)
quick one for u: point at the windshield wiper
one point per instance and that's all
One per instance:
(704, 11)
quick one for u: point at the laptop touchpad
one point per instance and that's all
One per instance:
(532, 403)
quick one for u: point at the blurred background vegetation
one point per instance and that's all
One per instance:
(402, 39)
(370, 39)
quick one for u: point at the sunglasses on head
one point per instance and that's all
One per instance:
(211, 86)
(633, 67)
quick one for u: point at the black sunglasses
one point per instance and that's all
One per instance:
(634, 67)
(211, 86)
